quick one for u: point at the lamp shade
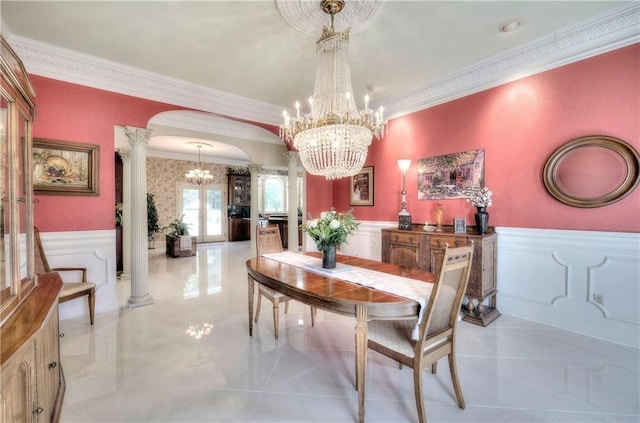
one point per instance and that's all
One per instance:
(404, 164)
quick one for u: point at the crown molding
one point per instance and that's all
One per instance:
(606, 32)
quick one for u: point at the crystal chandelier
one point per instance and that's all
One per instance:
(199, 176)
(334, 136)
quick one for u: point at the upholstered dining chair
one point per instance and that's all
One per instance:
(70, 290)
(268, 241)
(437, 329)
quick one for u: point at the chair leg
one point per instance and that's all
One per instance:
(258, 306)
(454, 380)
(400, 365)
(417, 389)
(92, 306)
(434, 367)
(313, 316)
(286, 307)
(276, 313)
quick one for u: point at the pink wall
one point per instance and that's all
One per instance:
(76, 113)
(518, 125)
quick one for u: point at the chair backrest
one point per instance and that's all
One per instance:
(448, 291)
(41, 262)
(268, 240)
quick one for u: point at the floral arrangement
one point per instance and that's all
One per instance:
(480, 198)
(331, 229)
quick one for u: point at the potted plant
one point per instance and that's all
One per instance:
(152, 220)
(330, 231)
(179, 243)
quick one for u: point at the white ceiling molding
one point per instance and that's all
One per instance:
(609, 31)
(210, 124)
(190, 157)
(70, 66)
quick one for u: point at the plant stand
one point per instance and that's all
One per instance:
(174, 248)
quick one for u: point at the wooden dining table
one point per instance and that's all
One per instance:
(330, 293)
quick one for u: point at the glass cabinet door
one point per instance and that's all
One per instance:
(24, 201)
(7, 289)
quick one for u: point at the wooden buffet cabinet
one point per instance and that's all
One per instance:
(424, 250)
(31, 380)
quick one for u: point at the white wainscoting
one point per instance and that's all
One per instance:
(365, 243)
(95, 250)
(551, 276)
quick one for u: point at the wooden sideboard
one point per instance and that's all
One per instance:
(424, 250)
(31, 380)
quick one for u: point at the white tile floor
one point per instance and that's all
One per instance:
(140, 365)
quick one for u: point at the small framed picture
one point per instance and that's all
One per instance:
(459, 225)
(361, 188)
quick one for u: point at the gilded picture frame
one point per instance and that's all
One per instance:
(65, 168)
(361, 187)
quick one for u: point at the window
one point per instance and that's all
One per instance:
(274, 194)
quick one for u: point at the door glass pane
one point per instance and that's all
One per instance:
(21, 195)
(214, 212)
(5, 232)
(191, 209)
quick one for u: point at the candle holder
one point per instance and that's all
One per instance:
(404, 218)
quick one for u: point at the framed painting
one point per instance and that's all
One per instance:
(361, 188)
(65, 168)
(450, 176)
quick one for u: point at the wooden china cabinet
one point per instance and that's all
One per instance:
(31, 378)
(425, 250)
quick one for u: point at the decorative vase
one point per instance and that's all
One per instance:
(482, 220)
(329, 257)
(439, 217)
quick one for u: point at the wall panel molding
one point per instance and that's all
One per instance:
(94, 250)
(602, 280)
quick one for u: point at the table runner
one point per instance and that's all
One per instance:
(397, 285)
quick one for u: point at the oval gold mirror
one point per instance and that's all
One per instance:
(592, 171)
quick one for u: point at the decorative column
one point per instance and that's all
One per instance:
(292, 239)
(125, 154)
(138, 138)
(254, 169)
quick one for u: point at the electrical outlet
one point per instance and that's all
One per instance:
(598, 298)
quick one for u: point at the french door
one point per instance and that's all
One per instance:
(203, 211)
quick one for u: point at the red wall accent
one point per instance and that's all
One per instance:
(75, 113)
(518, 125)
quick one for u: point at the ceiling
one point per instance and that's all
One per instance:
(247, 49)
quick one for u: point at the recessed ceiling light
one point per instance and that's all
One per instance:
(510, 25)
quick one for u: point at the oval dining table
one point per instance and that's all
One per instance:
(329, 292)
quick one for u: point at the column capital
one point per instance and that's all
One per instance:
(125, 153)
(254, 168)
(292, 157)
(137, 135)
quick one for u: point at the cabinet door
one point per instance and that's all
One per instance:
(48, 356)
(17, 388)
(247, 190)
(404, 255)
(489, 252)
(236, 190)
